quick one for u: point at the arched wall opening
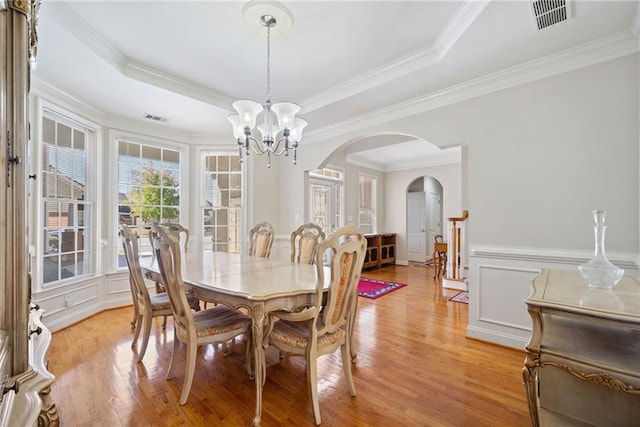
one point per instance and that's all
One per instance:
(393, 184)
(424, 217)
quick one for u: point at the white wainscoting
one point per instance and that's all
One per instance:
(499, 283)
(68, 304)
(281, 248)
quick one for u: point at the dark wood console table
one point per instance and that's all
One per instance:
(381, 250)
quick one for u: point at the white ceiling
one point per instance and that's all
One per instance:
(342, 61)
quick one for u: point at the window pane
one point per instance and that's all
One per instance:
(50, 269)
(152, 154)
(48, 130)
(78, 140)
(63, 138)
(221, 190)
(235, 165)
(128, 151)
(149, 185)
(66, 215)
(223, 164)
(171, 159)
(367, 203)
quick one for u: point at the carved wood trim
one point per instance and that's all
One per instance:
(21, 6)
(602, 378)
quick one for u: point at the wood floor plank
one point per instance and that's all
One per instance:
(415, 367)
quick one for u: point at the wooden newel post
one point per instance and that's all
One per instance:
(455, 247)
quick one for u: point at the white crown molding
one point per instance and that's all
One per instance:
(356, 161)
(56, 96)
(437, 160)
(64, 100)
(428, 163)
(372, 79)
(101, 47)
(415, 61)
(69, 103)
(606, 49)
(140, 127)
(177, 85)
(85, 34)
(459, 24)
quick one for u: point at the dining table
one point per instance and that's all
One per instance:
(260, 285)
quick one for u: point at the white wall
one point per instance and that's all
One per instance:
(544, 155)
(395, 199)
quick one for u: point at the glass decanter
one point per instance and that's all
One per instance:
(599, 272)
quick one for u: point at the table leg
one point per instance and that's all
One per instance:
(257, 329)
(436, 263)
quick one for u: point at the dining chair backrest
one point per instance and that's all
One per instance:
(304, 243)
(261, 239)
(346, 247)
(176, 229)
(130, 245)
(167, 249)
(179, 229)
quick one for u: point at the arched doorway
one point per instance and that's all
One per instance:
(424, 216)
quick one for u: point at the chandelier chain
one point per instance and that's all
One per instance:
(268, 63)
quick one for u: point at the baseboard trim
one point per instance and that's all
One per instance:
(495, 337)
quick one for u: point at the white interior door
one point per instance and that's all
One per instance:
(416, 228)
(434, 215)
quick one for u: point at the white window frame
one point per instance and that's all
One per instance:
(374, 200)
(202, 155)
(36, 199)
(333, 183)
(114, 138)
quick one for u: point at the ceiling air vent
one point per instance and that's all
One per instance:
(549, 12)
(154, 117)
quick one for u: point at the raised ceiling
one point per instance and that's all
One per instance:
(344, 62)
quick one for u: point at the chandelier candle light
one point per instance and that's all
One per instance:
(280, 130)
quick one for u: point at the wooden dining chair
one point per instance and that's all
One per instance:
(218, 324)
(145, 306)
(439, 256)
(304, 243)
(261, 239)
(324, 327)
(177, 230)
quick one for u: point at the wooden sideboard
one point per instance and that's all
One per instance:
(583, 359)
(381, 250)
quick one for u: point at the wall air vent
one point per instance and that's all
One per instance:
(154, 117)
(549, 12)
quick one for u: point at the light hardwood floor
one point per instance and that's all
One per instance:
(415, 367)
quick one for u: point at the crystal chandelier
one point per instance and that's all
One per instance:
(280, 131)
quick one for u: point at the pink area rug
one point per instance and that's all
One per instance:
(462, 296)
(371, 288)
